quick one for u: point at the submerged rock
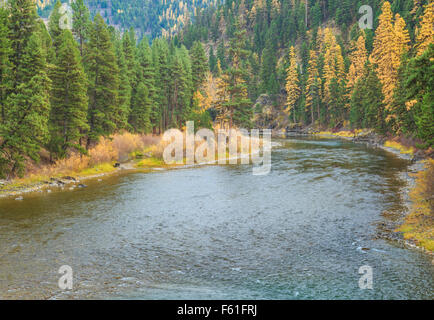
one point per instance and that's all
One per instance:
(69, 178)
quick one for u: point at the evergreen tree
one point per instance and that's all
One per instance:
(22, 24)
(147, 77)
(221, 55)
(47, 44)
(160, 56)
(415, 96)
(25, 126)
(124, 92)
(367, 110)
(54, 25)
(141, 110)
(81, 23)
(5, 65)
(199, 64)
(268, 69)
(102, 72)
(212, 61)
(68, 120)
(179, 97)
(128, 44)
(239, 105)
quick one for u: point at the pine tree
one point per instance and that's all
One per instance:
(186, 62)
(5, 65)
(25, 129)
(22, 24)
(47, 44)
(418, 98)
(128, 43)
(147, 76)
(366, 101)
(54, 25)
(212, 61)
(292, 84)
(124, 92)
(81, 23)
(238, 104)
(160, 55)
(68, 120)
(221, 55)
(102, 71)
(179, 97)
(199, 63)
(268, 69)
(141, 110)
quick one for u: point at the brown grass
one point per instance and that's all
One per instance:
(119, 147)
(419, 224)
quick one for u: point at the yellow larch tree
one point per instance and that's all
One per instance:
(402, 36)
(390, 43)
(358, 58)
(425, 33)
(206, 95)
(292, 84)
(312, 85)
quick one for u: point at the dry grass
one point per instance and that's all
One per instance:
(343, 134)
(400, 147)
(100, 159)
(419, 224)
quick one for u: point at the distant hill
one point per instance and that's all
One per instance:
(151, 17)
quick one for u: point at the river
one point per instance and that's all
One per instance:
(219, 232)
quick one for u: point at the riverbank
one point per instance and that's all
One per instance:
(111, 155)
(417, 226)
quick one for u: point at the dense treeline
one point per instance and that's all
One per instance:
(61, 90)
(321, 68)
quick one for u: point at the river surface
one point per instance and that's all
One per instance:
(219, 232)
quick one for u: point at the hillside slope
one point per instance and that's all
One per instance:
(150, 17)
(336, 75)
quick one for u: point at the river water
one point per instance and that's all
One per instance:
(219, 232)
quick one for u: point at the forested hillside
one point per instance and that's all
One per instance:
(319, 67)
(62, 90)
(152, 18)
